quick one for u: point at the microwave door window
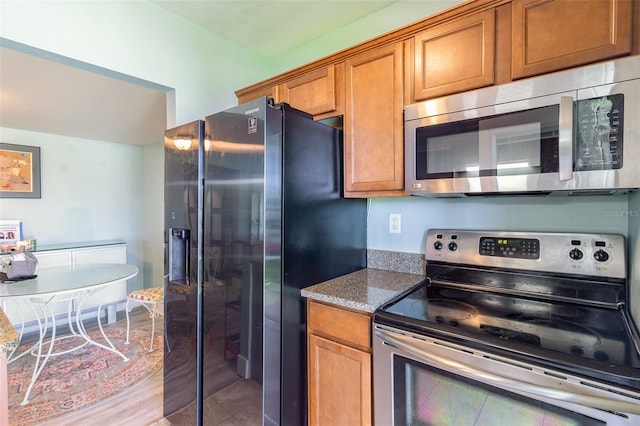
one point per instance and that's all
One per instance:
(454, 156)
(519, 143)
(510, 150)
(447, 151)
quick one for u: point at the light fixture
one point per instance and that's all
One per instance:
(182, 143)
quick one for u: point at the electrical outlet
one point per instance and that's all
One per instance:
(395, 223)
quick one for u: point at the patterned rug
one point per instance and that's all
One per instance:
(82, 378)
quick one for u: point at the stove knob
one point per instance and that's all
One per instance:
(437, 245)
(601, 256)
(453, 246)
(575, 254)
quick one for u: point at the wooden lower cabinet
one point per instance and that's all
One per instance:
(339, 366)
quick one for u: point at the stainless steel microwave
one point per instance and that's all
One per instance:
(570, 132)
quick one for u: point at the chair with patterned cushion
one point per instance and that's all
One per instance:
(153, 300)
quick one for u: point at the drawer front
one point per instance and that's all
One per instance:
(343, 325)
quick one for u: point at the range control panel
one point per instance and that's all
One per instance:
(601, 255)
(524, 248)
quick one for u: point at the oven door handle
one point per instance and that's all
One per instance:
(408, 344)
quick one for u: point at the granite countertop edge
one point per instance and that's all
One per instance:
(9, 338)
(364, 290)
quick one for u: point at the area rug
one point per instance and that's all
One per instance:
(82, 378)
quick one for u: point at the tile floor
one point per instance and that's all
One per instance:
(237, 405)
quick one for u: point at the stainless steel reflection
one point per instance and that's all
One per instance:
(555, 258)
(563, 89)
(540, 316)
(608, 404)
(253, 213)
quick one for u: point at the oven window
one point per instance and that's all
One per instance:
(425, 396)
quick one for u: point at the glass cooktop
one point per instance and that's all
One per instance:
(590, 340)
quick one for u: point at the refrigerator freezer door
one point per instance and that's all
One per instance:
(182, 303)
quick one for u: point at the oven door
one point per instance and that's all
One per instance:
(419, 380)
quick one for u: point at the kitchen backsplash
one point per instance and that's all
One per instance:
(409, 263)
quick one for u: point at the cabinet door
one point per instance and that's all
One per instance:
(319, 92)
(455, 56)
(51, 259)
(249, 95)
(339, 384)
(373, 123)
(550, 35)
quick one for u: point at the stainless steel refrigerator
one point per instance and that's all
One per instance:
(253, 213)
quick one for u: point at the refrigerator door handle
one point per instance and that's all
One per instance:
(179, 259)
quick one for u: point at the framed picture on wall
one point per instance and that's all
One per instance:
(19, 171)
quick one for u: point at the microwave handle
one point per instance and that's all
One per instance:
(565, 138)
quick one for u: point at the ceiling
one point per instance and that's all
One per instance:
(44, 93)
(270, 27)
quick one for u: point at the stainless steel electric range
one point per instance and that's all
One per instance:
(511, 328)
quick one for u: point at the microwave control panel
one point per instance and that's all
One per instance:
(598, 132)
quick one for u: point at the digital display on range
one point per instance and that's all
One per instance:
(521, 248)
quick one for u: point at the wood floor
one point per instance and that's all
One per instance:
(238, 405)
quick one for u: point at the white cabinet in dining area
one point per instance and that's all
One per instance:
(76, 254)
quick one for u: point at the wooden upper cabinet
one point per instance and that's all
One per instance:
(373, 123)
(550, 35)
(454, 56)
(319, 92)
(271, 91)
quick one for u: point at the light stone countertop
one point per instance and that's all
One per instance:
(9, 338)
(364, 290)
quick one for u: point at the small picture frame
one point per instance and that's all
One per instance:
(19, 171)
(10, 232)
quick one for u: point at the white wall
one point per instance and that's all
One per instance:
(388, 19)
(598, 214)
(90, 192)
(139, 39)
(153, 217)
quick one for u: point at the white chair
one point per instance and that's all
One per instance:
(153, 300)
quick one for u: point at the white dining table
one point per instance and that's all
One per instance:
(71, 284)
